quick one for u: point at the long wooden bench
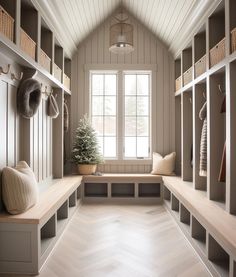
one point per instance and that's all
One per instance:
(27, 239)
(210, 229)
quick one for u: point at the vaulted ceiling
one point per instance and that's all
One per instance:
(169, 20)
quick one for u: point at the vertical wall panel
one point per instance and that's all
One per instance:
(148, 51)
(3, 123)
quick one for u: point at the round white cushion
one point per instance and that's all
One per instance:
(19, 188)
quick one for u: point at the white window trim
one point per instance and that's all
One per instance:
(120, 68)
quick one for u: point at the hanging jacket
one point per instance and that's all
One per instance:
(203, 145)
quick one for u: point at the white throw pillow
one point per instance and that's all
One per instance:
(163, 165)
(19, 188)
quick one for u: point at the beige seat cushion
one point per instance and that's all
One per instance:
(163, 165)
(19, 188)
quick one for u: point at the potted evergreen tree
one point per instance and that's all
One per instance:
(86, 153)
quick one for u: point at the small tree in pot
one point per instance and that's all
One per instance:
(85, 151)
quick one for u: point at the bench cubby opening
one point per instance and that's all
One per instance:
(184, 215)
(122, 189)
(47, 233)
(79, 193)
(174, 203)
(198, 233)
(95, 190)
(218, 256)
(149, 190)
(167, 194)
(217, 134)
(62, 215)
(72, 200)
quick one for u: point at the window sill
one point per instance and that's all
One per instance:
(129, 162)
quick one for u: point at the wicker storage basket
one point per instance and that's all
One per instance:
(233, 40)
(44, 60)
(187, 76)
(27, 44)
(217, 53)
(66, 81)
(57, 72)
(200, 66)
(178, 83)
(6, 24)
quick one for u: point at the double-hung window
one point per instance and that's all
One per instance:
(121, 114)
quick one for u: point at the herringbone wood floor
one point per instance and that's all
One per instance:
(127, 241)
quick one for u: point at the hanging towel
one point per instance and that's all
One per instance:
(222, 174)
(203, 145)
(66, 118)
(53, 110)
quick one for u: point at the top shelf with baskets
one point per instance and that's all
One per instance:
(25, 36)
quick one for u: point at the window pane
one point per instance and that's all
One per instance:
(110, 147)
(110, 105)
(130, 84)
(130, 147)
(100, 142)
(97, 105)
(142, 147)
(130, 126)
(110, 84)
(130, 105)
(143, 84)
(97, 123)
(142, 126)
(97, 84)
(142, 105)
(110, 126)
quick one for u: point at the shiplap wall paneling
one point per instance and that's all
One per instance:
(58, 137)
(148, 50)
(187, 136)
(199, 98)
(231, 138)
(216, 135)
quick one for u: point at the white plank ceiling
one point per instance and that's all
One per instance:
(167, 19)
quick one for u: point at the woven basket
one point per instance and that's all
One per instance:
(27, 44)
(87, 169)
(44, 60)
(178, 83)
(66, 81)
(57, 72)
(6, 24)
(187, 76)
(200, 66)
(233, 40)
(217, 53)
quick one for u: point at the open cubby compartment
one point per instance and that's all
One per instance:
(217, 137)
(62, 215)
(174, 203)
(187, 136)
(58, 66)
(122, 189)
(184, 215)
(178, 74)
(95, 189)
(149, 189)
(47, 233)
(198, 233)
(199, 104)
(67, 73)
(72, 199)
(29, 25)
(232, 19)
(231, 138)
(79, 192)
(219, 258)
(187, 65)
(200, 52)
(9, 26)
(178, 134)
(46, 51)
(166, 194)
(217, 34)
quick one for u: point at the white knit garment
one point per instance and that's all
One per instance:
(19, 188)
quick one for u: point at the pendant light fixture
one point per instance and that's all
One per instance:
(121, 35)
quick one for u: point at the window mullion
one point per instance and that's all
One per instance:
(120, 115)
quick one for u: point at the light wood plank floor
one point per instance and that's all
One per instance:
(123, 241)
(139, 241)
